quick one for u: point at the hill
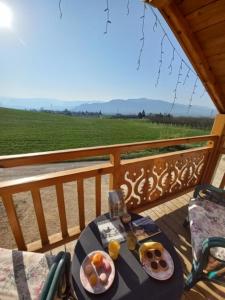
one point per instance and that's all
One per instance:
(125, 107)
(133, 106)
(25, 131)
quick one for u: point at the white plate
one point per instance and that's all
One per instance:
(99, 288)
(160, 275)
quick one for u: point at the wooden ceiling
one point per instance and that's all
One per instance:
(199, 26)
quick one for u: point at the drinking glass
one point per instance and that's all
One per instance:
(114, 249)
(131, 240)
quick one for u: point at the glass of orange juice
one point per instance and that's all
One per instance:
(114, 249)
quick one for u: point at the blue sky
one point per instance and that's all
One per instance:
(71, 58)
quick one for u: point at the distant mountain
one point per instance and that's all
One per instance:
(117, 106)
(38, 103)
(133, 106)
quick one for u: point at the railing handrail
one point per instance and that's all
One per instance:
(162, 155)
(47, 179)
(9, 161)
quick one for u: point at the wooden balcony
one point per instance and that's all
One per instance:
(49, 210)
(146, 182)
(37, 215)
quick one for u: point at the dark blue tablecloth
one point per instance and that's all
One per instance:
(131, 281)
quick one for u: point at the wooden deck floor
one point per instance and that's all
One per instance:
(170, 217)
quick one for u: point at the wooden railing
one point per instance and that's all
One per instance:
(146, 182)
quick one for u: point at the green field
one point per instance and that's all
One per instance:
(25, 131)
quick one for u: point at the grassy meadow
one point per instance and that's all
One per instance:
(26, 131)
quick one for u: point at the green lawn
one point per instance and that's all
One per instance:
(25, 131)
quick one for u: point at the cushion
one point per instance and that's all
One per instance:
(22, 274)
(207, 219)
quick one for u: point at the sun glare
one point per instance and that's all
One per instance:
(6, 16)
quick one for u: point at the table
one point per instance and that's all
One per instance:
(131, 281)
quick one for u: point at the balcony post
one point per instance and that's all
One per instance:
(114, 181)
(218, 129)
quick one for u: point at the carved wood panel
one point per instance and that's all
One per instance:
(149, 179)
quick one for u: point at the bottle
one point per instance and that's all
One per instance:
(115, 202)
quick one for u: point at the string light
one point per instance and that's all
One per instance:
(203, 93)
(142, 39)
(176, 87)
(106, 10)
(187, 76)
(171, 63)
(157, 21)
(128, 7)
(161, 60)
(174, 51)
(60, 9)
(192, 94)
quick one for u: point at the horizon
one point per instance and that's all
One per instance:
(93, 101)
(70, 58)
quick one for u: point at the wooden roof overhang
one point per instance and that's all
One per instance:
(199, 26)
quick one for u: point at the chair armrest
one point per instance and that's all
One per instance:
(215, 194)
(213, 242)
(60, 266)
(63, 268)
(206, 246)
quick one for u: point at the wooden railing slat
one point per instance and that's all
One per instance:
(80, 193)
(61, 208)
(14, 222)
(98, 193)
(45, 180)
(40, 216)
(55, 240)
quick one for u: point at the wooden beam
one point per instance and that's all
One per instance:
(189, 6)
(207, 16)
(159, 3)
(193, 50)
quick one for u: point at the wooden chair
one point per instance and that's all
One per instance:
(206, 215)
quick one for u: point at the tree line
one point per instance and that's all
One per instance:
(193, 122)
